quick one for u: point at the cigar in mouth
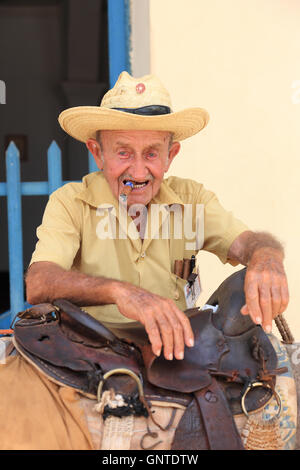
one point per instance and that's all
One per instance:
(126, 191)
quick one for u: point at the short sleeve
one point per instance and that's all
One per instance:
(221, 227)
(59, 234)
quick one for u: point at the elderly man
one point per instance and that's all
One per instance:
(128, 275)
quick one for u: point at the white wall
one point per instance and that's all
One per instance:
(239, 59)
(140, 37)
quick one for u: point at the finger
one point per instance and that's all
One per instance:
(285, 297)
(178, 334)
(188, 334)
(244, 310)
(252, 301)
(265, 300)
(166, 333)
(153, 333)
(276, 298)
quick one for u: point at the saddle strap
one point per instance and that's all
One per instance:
(219, 424)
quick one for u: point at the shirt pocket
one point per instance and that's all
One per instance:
(177, 285)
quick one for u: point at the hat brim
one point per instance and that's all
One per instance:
(82, 122)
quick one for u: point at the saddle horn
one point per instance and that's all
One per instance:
(230, 298)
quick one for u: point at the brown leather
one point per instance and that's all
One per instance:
(75, 349)
(230, 359)
(87, 325)
(190, 434)
(218, 421)
(211, 429)
(75, 354)
(70, 352)
(37, 311)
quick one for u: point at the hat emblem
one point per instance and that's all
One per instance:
(140, 88)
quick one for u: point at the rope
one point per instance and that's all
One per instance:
(284, 329)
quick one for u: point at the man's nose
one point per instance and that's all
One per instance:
(138, 169)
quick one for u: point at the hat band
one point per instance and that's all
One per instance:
(151, 110)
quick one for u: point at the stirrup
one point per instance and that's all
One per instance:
(120, 371)
(264, 385)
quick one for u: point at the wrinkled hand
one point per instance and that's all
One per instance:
(167, 326)
(266, 287)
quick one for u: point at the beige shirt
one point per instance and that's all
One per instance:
(84, 228)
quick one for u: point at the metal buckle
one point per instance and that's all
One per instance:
(264, 385)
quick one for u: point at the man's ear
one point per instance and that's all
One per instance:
(174, 150)
(94, 147)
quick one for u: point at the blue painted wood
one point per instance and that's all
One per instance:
(14, 215)
(54, 167)
(119, 32)
(3, 189)
(35, 188)
(118, 38)
(14, 190)
(31, 188)
(5, 320)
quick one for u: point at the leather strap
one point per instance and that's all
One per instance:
(220, 427)
(190, 433)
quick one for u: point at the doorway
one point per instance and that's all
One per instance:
(53, 55)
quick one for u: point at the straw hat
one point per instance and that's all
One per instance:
(133, 104)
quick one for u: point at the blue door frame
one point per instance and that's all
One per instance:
(119, 31)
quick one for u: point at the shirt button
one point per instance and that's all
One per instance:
(176, 295)
(143, 255)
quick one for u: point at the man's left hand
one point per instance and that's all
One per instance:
(266, 287)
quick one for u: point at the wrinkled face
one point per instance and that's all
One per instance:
(141, 157)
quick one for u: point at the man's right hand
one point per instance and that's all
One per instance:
(167, 326)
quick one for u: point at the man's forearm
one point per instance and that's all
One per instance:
(47, 281)
(167, 326)
(250, 243)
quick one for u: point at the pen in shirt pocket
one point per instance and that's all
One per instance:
(184, 267)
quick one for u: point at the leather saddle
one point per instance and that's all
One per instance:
(231, 369)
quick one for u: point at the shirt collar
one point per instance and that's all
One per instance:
(97, 191)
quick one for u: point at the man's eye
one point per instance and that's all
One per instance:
(124, 153)
(151, 154)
